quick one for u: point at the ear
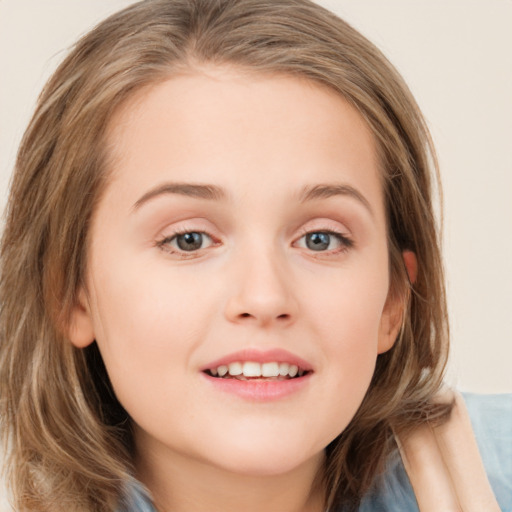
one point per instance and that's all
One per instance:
(411, 265)
(80, 329)
(394, 309)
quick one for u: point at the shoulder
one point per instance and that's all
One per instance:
(491, 419)
(135, 499)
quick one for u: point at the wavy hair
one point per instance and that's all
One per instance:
(67, 439)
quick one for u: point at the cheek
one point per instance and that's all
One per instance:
(145, 328)
(348, 310)
(346, 321)
(143, 301)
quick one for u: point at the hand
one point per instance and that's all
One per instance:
(444, 465)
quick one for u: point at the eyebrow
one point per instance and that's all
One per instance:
(199, 191)
(325, 191)
(213, 192)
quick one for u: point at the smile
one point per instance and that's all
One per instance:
(245, 370)
(259, 375)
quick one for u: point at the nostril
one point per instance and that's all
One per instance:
(284, 316)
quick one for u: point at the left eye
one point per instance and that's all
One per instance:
(189, 241)
(323, 241)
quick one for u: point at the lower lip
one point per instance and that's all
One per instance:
(259, 390)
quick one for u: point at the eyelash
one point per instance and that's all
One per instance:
(165, 242)
(345, 242)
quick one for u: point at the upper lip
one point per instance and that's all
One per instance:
(260, 356)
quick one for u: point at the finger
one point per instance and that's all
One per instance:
(427, 471)
(461, 457)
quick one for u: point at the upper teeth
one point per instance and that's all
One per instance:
(253, 369)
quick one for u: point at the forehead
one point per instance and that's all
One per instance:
(201, 124)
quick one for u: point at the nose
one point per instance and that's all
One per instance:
(262, 292)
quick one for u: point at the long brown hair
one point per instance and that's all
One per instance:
(68, 440)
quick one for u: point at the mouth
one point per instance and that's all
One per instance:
(252, 370)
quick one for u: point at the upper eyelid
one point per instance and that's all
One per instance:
(205, 226)
(322, 227)
(306, 230)
(178, 232)
(193, 225)
(324, 222)
(303, 230)
(342, 236)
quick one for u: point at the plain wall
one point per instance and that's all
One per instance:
(455, 56)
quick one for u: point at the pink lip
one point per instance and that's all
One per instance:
(259, 390)
(259, 356)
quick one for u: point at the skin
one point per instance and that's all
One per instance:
(159, 314)
(446, 458)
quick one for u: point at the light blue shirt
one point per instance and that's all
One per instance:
(491, 417)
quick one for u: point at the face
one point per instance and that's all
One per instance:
(242, 231)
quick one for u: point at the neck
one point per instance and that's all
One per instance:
(179, 484)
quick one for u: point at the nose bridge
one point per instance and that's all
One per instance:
(262, 289)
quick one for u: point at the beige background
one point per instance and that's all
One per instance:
(456, 57)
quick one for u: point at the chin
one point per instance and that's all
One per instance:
(275, 453)
(265, 465)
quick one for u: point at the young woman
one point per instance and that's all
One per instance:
(221, 283)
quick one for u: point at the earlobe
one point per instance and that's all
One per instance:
(80, 329)
(395, 308)
(390, 324)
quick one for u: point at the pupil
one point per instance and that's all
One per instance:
(318, 241)
(190, 241)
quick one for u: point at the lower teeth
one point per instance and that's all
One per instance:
(243, 377)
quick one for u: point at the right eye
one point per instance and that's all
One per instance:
(186, 242)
